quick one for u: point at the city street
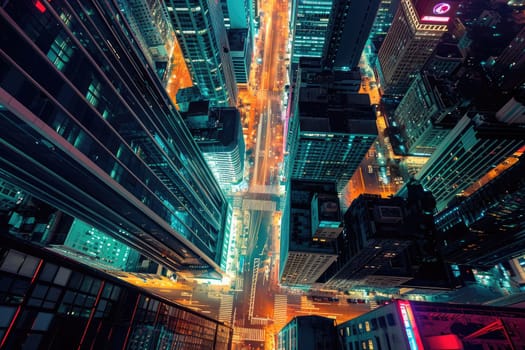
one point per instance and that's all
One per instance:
(255, 304)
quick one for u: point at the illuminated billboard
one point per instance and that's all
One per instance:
(435, 11)
(409, 322)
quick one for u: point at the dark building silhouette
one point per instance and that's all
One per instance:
(388, 243)
(509, 67)
(486, 228)
(308, 333)
(348, 30)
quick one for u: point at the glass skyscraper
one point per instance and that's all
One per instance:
(308, 28)
(419, 30)
(201, 32)
(348, 31)
(87, 127)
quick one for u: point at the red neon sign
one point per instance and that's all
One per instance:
(414, 338)
(40, 7)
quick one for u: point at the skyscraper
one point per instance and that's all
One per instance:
(474, 146)
(200, 30)
(426, 114)
(87, 127)
(308, 29)
(102, 248)
(509, 68)
(305, 251)
(150, 23)
(348, 31)
(236, 14)
(241, 49)
(413, 36)
(445, 60)
(10, 196)
(331, 129)
(482, 230)
(386, 242)
(385, 14)
(218, 132)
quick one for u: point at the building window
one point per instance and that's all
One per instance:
(382, 322)
(390, 320)
(60, 51)
(6, 315)
(42, 321)
(93, 93)
(19, 263)
(373, 322)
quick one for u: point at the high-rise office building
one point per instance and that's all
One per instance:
(186, 96)
(387, 243)
(482, 230)
(218, 132)
(308, 333)
(509, 68)
(236, 14)
(200, 30)
(33, 220)
(474, 146)
(348, 30)
(305, 252)
(445, 60)
(240, 30)
(426, 114)
(308, 29)
(87, 126)
(50, 302)
(151, 25)
(241, 49)
(372, 244)
(385, 14)
(103, 249)
(331, 130)
(404, 324)
(413, 36)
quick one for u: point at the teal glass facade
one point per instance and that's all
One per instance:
(87, 127)
(201, 32)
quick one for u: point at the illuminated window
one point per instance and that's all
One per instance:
(93, 93)
(60, 51)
